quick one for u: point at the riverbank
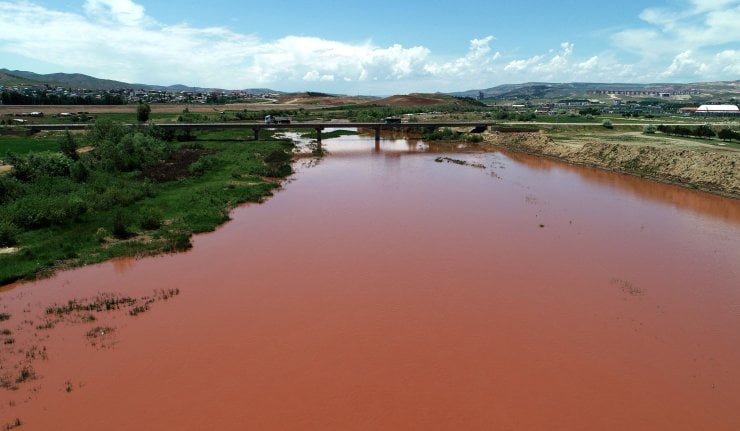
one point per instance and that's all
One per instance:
(711, 170)
(59, 219)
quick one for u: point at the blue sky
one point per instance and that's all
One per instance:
(377, 48)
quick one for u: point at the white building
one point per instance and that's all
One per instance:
(717, 110)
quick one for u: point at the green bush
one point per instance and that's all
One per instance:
(278, 164)
(41, 210)
(444, 134)
(120, 225)
(649, 129)
(199, 166)
(10, 188)
(106, 130)
(101, 234)
(79, 172)
(150, 218)
(8, 234)
(34, 166)
(133, 152)
(607, 124)
(142, 112)
(68, 146)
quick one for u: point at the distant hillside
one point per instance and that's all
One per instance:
(78, 80)
(7, 78)
(314, 98)
(583, 90)
(420, 99)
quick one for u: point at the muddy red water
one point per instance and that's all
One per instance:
(384, 290)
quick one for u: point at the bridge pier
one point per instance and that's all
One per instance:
(377, 134)
(318, 137)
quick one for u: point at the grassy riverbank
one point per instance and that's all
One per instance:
(59, 212)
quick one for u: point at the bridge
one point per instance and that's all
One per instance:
(474, 126)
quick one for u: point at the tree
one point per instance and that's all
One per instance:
(142, 112)
(704, 131)
(728, 134)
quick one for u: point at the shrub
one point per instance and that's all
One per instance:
(10, 188)
(150, 218)
(68, 146)
(199, 166)
(106, 130)
(607, 124)
(142, 112)
(8, 234)
(133, 152)
(649, 129)
(40, 210)
(120, 225)
(101, 234)
(32, 167)
(79, 172)
(278, 164)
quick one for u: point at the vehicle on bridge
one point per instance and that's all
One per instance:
(273, 119)
(392, 120)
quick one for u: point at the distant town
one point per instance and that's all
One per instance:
(535, 99)
(45, 94)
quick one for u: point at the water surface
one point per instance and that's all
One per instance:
(382, 289)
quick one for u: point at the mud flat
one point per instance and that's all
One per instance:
(716, 170)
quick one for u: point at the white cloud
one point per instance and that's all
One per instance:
(116, 39)
(124, 12)
(687, 38)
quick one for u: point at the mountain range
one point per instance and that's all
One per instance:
(78, 80)
(723, 90)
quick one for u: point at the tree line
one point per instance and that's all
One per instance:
(701, 131)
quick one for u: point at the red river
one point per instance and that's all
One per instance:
(386, 290)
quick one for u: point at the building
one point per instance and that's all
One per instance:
(717, 111)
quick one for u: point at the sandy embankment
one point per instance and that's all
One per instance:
(707, 170)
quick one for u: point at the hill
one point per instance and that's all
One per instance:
(8, 78)
(323, 99)
(722, 90)
(78, 80)
(422, 99)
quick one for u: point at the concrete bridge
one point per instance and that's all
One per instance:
(473, 126)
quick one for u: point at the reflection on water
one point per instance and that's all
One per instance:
(392, 288)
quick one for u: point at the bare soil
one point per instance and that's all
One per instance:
(176, 166)
(409, 100)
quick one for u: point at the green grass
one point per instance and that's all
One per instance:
(232, 173)
(28, 144)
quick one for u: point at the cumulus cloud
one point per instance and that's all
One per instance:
(124, 12)
(688, 38)
(117, 39)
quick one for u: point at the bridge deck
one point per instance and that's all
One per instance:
(260, 126)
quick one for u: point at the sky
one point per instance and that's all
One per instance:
(378, 47)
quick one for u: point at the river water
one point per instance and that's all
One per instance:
(403, 288)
